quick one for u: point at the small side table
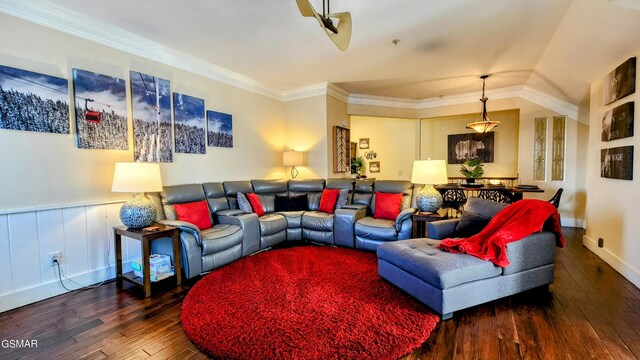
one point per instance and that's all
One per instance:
(145, 238)
(420, 220)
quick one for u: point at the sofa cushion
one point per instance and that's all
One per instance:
(328, 200)
(256, 204)
(316, 220)
(441, 269)
(343, 198)
(291, 203)
(376, 229)
(220, 237)
(196, 213)
(243, 203)
(271, 224)
(476, 215)
(387, 206)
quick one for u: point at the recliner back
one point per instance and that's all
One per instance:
(180, 194)
(232, 188)
(312, 187)
(393, 187)
(214, 192)
(342, 184)
(267, 191)
(363, 193)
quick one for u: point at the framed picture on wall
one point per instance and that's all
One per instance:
(463, 147)
(220, 129)
(101, 111)
(33, 102)
(341, 150)
(617, 123)
(620, 82)
(617, 163)
(374, 166)
(151, 103)
(188, 115)
(363, 143)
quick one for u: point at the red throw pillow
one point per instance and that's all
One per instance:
(256, 205)
(196, 213)
(328, 200)
(387, 206)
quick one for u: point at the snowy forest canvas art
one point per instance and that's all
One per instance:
(101, 111)
(151, 98)
(33, 102)
(188, 114)
(219, 129)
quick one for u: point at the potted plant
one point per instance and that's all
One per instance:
(472, 169)
(356, 165)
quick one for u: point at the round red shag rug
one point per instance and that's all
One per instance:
(304, 303)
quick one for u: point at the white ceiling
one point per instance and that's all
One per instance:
(555, 46)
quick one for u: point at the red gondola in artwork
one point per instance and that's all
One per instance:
(91, 116)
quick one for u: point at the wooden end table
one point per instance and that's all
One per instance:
(145, 238)
(420, 220)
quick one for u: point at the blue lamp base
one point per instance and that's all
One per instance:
(429, 199)
(138, 212)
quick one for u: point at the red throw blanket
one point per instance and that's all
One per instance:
(512, 223)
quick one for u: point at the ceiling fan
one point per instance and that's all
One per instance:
(340, 34)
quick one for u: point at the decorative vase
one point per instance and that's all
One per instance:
(138, 212)
(429, 199)
(471, 180)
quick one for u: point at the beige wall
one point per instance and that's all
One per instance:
(434, 141)
(44, 170)
(306, 130)
(336, 115)
(612, 205)
(392, 139)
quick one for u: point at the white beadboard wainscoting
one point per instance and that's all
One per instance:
(83, 233)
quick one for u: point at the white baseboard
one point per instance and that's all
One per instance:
(53, 288)
(576, 223)
(632, 274)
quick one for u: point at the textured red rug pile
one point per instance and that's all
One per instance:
(304, 303)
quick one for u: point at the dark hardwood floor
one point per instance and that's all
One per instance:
(590, 311)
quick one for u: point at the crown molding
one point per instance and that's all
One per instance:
(305, 92)
(629, 4)
(521, 91)
(337, 92)
(59, 18)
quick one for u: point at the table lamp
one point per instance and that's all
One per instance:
(137, 178)
(429, 173)
(293, 159)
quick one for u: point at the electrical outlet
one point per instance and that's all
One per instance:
(56, 255)
(600, 242)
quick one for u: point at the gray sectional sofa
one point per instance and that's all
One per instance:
(236, 233)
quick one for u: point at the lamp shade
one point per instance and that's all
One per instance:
(135, 177)
(429, 172)
(293, 158)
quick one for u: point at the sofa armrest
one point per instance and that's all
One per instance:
(344, 221)
(185, 226)
(442, 229)
(250, 226)
(533, 251)
(404, 216)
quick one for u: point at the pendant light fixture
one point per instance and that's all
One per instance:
(483, 124)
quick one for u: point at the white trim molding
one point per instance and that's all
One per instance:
(627, 270)
(521, 91)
